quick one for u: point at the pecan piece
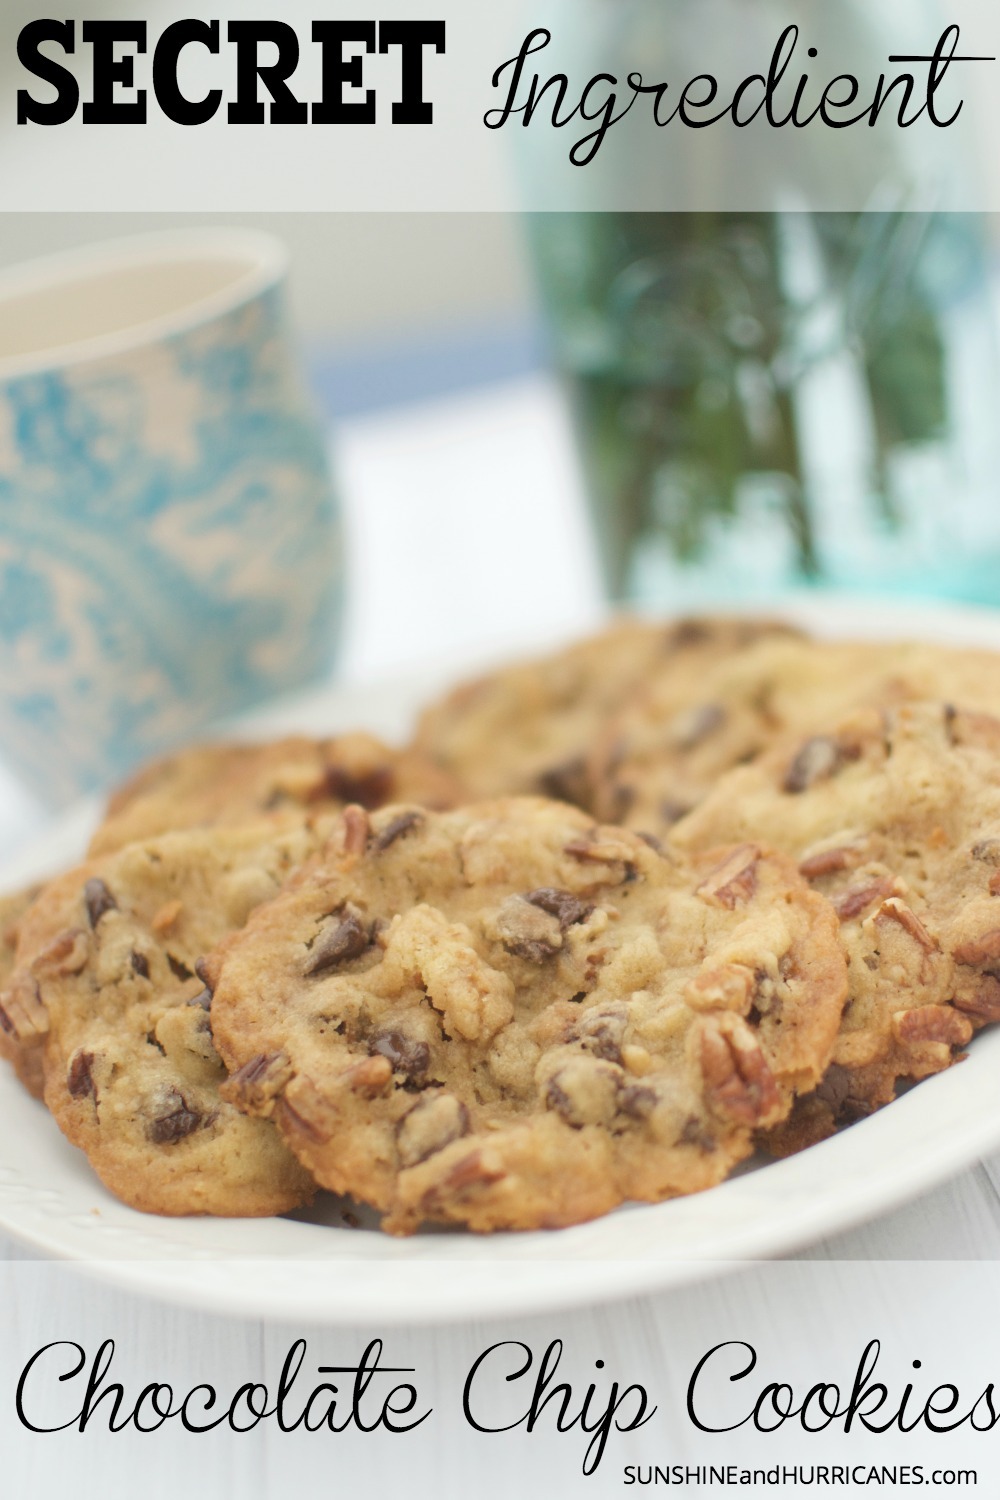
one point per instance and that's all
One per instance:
(932, 1023)
(730, 987)
(896, 910)
(23, 1014)
(255, 1086)
(166, 917)
(396, 829)
(978, 950)
(983, 1004)
(66, 954)
(478, 1169)
(689, 728)
(352, 831)
(738, 1082)
(817, 760)
(733, 880)
(602, 846)
(852, 902)
(828, 862)
(433, 1123)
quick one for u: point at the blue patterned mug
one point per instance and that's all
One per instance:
(169, 546)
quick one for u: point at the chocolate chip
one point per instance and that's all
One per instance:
(834, 1087)
(203, 1000)
(695, 1133)
(254, 1070)
(178, 968)
(563, 905)
(176, 1122)
(396, 829)
(817, 760)
(201, 969)
(98, 900)
(349, 938)
(557, 1099)
(140, 964)
(79, 1079)
(652, 841)
(370, 789)
(637, 1101)
(566, 782)
(671, 811)
(406, 1055)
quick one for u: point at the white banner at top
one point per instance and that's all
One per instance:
(544, 104)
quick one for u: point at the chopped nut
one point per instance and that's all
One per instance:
(817, 760)
(734, 880)
(730, 987)
(23, 1014)
(350, 834)
(433, 1123)
(689, 728)
(897, 911)
(167, 916)
(853, 901)
(983, 1004)
(396, 829)
(66, 954)
(255, 1086)
(370, 1077)
(932, 1023)
(829, 862)
(978, 950)
(738, 1082)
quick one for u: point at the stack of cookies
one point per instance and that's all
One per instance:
(615, 919)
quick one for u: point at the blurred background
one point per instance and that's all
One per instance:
(373, 296)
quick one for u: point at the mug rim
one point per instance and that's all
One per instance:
(266, 259)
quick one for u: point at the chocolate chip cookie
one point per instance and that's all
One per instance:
(108, 983)
(26, 1064)
(895, 818)
(672, 740)
(224, 784)
(528, 728)
(511, 1017)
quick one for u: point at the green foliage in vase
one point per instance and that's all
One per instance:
(684, 338)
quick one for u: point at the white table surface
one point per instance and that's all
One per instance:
(463, 516)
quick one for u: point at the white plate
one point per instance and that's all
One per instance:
(317, 1268)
